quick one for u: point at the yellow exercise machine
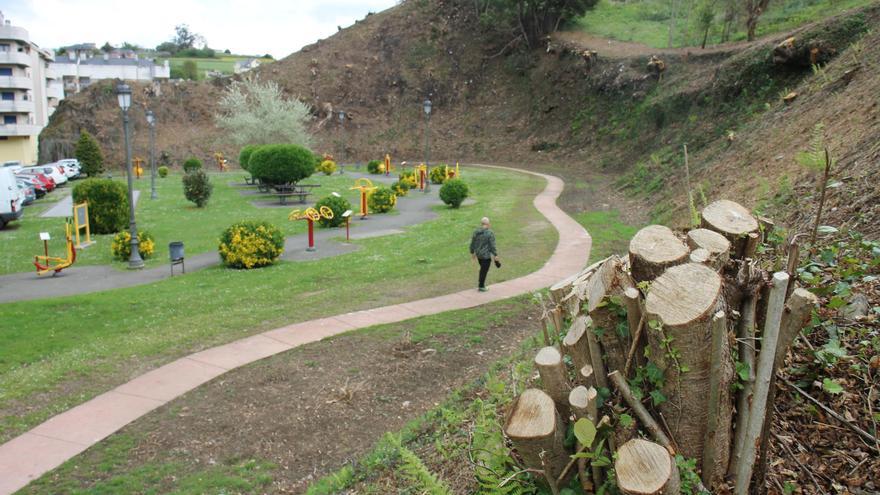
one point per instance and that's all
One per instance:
(221, 161)
(138, 166)
(387, 164)
(46, 264)
(311, 215)
(81, 222)
(366, 187)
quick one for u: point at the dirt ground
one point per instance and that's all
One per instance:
(311, 410)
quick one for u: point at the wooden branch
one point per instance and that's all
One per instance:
(712, 470)
(635, 318)
(634, 347)
(763, 372)
(746, 346)
(644, 416)
(824, 189)
(596, 358)
(576, 345)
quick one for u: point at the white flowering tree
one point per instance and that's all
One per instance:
(255, 112)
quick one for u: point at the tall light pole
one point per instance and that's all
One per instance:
(426, 106)
(151, 120)
(342, 131)
(123, 93)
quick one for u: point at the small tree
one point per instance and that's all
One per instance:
(189, 70)
(705, 18)
(281, 163)
(254, 112)
(89, 155)
(754, 10)
(197, 187)
(192, 164)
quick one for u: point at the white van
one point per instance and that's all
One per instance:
(10, 198)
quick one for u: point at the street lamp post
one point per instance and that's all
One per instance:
(342, 131)
(123, 93)
(426, 106)
(151, 120)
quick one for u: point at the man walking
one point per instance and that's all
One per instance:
(483, 251)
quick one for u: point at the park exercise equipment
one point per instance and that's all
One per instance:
(387, 165)
(138, 166)
(46, 263)
(311, 215)
(221, 161)
(422, 177)
(347, 216)
(80, 223)
(366, 187)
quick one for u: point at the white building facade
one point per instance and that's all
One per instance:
(29, 93)
(78, 70)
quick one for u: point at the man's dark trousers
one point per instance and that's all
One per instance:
(484, 269)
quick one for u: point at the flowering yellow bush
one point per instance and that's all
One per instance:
(327, 167)
(251, 245)
(382, 200)
(121, 245)
(408, 178)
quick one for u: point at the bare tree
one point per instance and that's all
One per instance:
(754, 9)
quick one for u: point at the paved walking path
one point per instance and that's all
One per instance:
(48, 445)
(64, 207)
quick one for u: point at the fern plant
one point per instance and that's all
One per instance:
(414, 470)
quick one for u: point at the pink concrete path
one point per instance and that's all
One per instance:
(48, 445)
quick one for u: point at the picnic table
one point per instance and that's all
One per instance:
(300, 191)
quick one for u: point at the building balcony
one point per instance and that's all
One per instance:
(16, 106)
(14, 33)
(15, 58)
(16, 82)
(55, 90)
(50, 73)
(19, 130)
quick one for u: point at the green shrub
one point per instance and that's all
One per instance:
(454, 192)
(281, 163)
(197, 187)
(121, 245)
(327, 167)
(375, 167)
(163, 171)
(382, 200)
(244, 155)
(400, 188)
(191, 165)
(409, 178)
(438, 174)
(250, 244)
(89, 155)
(336, 203)
(108, 204)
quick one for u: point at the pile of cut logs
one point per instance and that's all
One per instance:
(687, 305)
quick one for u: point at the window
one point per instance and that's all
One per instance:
(4, 47)
(7, 96)
(9, 119)
(5, 71)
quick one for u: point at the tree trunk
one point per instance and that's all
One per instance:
(645, 468)
(717, 441)
(576, 345)
(746, 349)
(683, 301)
(554, 377)
(733, 221)
(654, 249)
(534, 427)
(716, 245)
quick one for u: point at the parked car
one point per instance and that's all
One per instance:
(12, 163)
(70, 167)
(52, 171)
(31, 181)
(10, 201)
(44, 179)
(28, 194)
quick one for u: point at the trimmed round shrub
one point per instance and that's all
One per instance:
(121, 245)
(108, 204)
(281, 163)
(375, 167)
(197, 187)
(162, 171)
(191, 165)
(244, 155)
(250, 244)
(382, 200)
(454, 192)
(336, 203)
(327, 167)
(438, 174)
(400, 188)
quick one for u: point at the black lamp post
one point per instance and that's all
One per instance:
(426, 106)
(123, 93)
(151, 120)
(342, 131)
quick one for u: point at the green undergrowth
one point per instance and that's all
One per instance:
(92, 339)
(610, 233)
(113, 465)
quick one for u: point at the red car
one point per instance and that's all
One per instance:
(48, 182)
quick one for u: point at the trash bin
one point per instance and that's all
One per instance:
(175, 249)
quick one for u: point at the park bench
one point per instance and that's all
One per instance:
(301, 191)
(250, 180)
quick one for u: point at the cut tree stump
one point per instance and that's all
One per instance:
(579, 399)
(733, 221)
(646, 468)
(576, 345)
(682, 302)
(534, 427)
(554, 377)
(654, 249)
(712, 247)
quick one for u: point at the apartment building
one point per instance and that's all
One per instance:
(29, 93)
(80, 67)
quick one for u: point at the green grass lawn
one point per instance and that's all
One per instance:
(221, 63)
(610, 234)
(647, 21)
(169, 218)
(86, 344)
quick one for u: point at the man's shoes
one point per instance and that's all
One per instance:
(483, 289)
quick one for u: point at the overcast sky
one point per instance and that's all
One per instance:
(250, 27)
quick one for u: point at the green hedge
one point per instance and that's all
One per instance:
(282, 163)
(108, 204)
(336, 203)
(244, 155)
(454, 192)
